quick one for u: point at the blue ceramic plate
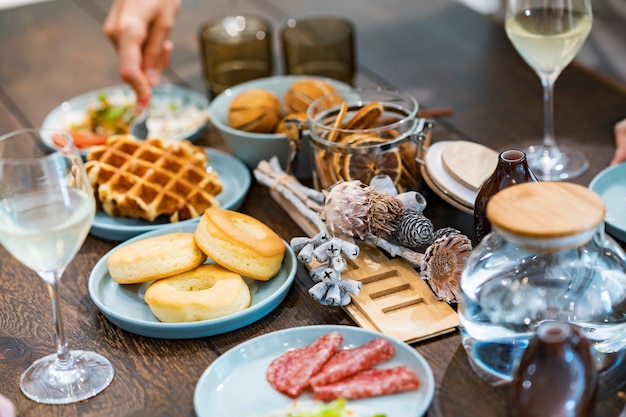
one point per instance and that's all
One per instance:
(124, 306)
(610, 184)
(236, 181)
(177, 112)
(242, 369)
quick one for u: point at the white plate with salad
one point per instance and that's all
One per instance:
(175, 113)
(235, 385)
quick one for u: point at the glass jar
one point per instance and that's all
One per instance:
(390, 144)
(546, 259)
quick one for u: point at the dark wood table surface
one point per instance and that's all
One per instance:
(443, 53)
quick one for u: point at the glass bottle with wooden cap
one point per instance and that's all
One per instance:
(547, 259)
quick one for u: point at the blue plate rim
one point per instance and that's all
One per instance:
(427, 381)
(160, 330)
(242, 175)
(594, 184)
(52, 118)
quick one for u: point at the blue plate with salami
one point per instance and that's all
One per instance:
(244, 368)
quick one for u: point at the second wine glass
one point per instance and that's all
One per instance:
(46, 209)
(548, 34)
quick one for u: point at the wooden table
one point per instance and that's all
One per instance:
(440, 51)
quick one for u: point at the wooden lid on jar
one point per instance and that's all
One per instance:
(546, 210)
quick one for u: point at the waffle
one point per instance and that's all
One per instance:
(152, 178)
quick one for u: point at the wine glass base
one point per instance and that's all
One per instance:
(48, 383)
(556, 163)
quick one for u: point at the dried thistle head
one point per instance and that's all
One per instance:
(443, 263)
(383, 213)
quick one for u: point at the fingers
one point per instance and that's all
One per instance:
(157, 48)
(140, 33)
(620, 143)
(7, 409)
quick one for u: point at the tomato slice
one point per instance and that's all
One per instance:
(81, 139)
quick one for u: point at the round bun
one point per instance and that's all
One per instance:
(204, 293)
(304, 92)
(151, 259)
(240, 243)
(255, 110)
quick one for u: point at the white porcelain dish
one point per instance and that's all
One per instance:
(443, 194)
(176, 112)
(610, 184)
(236, 180)
(242, 369)
(255, 147)
(438, 174)
(123, 305)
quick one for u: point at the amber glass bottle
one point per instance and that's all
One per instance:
(556, 376)
(512, 168)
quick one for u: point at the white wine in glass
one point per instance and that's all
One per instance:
(548, 34)
(46, 209)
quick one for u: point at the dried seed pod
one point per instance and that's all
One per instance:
(414, 230)
(445, 232)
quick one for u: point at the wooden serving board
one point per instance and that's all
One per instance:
(469, 163)
(393, 300)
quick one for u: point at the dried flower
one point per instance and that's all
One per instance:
(355, 209)
(443, 264)
(345, 208)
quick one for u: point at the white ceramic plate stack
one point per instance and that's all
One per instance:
(454, 170)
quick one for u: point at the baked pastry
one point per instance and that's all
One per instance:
(152, 178)
(240, 243)
(155, 258)
(204, 293)
(255, 110)
(302, 93)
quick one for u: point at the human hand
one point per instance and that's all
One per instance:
(7, 409)
(139, 30)
(620, 143)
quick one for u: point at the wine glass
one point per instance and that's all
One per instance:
(548, 34)
(46, 209)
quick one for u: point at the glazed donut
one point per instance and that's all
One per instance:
(240, 243)
(150, 259)
(204, 293)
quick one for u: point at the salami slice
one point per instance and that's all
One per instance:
(348, 362)
(290, 373)
(369, 383)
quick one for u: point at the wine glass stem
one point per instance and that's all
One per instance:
(547, 81)
(64, 358)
